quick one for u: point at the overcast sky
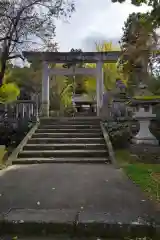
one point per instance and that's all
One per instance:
(94, 20)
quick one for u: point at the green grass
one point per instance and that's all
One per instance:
(147, 176)
(2, 153)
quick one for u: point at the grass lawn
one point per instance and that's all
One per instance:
(2, 153)
(147, 176)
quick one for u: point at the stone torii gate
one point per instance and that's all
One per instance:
(75, 57)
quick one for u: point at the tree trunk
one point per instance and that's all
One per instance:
(3, 68)
(3, 63)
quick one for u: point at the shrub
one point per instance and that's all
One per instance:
(155, 123)
(69, 111)
(11, 135)
(155, 129)
(120, 133)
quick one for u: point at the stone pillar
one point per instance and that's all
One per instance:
(99, 86)
(45, 90)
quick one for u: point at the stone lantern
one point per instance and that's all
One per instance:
(143, 112)
(84, 104)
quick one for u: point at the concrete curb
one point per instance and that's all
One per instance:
(14, 154)
(81, 230)
(73, 223)
(109, 146)
(35, 228)
(60, 160)
(123, 231)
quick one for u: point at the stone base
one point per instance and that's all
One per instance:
(146, 141)
(146, 153)
(45, 110)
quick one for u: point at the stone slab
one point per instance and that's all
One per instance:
(99, 193)
(70, 135)
(98, 160)
(55, 237)
(79, 153)
(41, 215)
(71, 222)
(66, 140)
(115, 225)
(69, 130)
(63, 146)
(69, 126)
(38, 221)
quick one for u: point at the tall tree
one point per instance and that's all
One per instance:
(26, 78)
(111, 72)
(154, 85)
(154, 15)
(137, 44)
(22, 20)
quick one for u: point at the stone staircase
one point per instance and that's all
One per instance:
(66, 140)
(71, 201)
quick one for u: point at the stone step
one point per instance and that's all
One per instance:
(72, 130)
(64, 146)
(80, 122)
(63, 153)
(55, 237)
(86, 140)
(69, 135)
(65, 119)
(39, 224)
(36, 160)
(69, 126)
(70, 121)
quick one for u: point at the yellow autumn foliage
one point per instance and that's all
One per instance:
(9, 92)
(111, 70)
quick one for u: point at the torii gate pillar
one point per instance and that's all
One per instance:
(99, 86)
(45, 90)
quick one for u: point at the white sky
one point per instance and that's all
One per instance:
(93, 20)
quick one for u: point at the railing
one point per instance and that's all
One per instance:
(21, 109)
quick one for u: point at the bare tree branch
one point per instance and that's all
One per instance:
(16, 56)
(27, 19)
